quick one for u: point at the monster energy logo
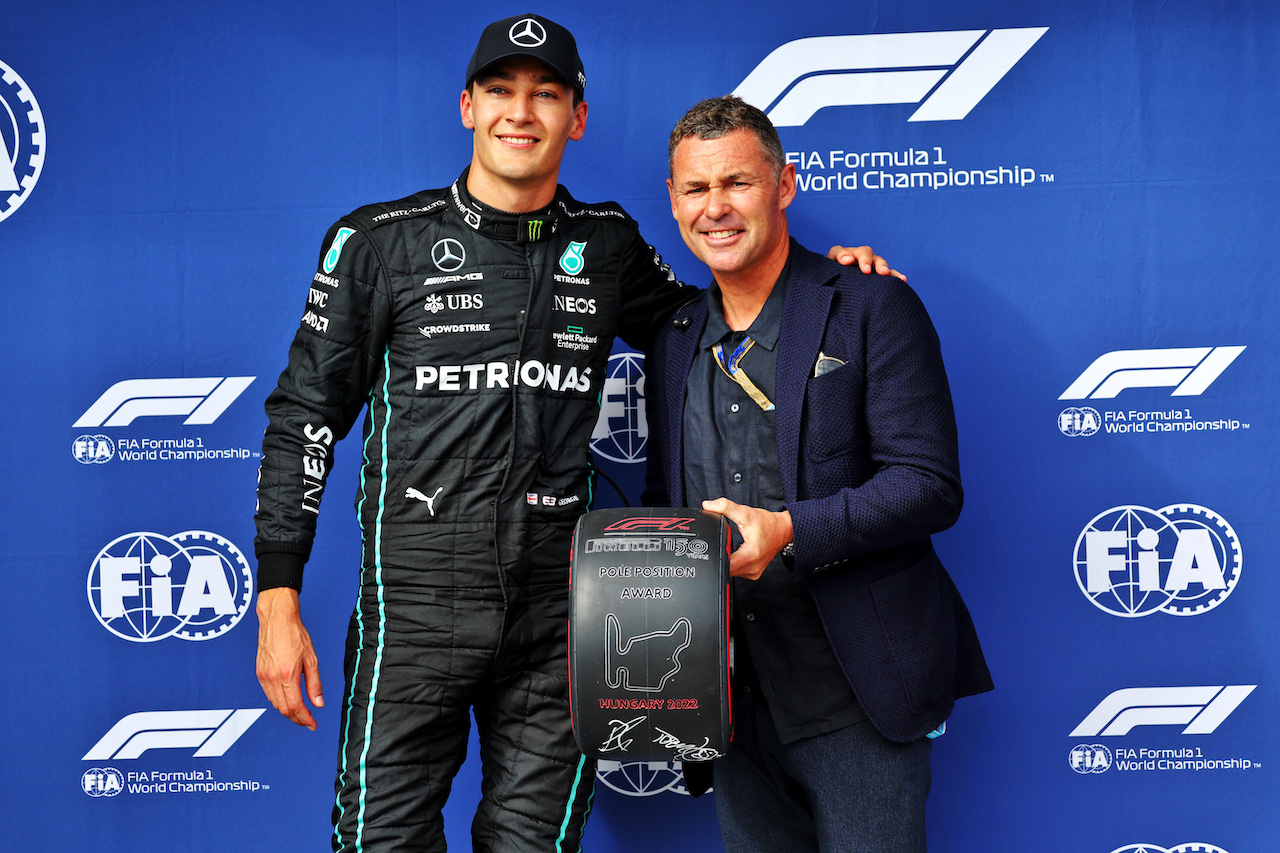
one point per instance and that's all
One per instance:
(535, 229)
(571, 261)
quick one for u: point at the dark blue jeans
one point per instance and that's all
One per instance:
(851, 791)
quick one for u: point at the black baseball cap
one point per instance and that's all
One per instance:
(529, 35)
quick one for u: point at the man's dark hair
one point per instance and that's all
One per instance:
(717, 117)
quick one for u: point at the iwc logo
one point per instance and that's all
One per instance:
(1180, 559)
(642, 778)
(621, 431)
(144, 587)
(22, 143)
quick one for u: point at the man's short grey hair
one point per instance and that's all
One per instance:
(717, 117)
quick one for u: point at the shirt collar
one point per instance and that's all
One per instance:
(764, 328)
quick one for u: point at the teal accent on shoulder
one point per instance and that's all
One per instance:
(335, 248)
(568, 809)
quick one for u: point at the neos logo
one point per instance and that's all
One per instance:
(144, 587)
(955, 70)
(22, 143)
(1189, 847)
(1200, 709)
(201, 400)
(209, 733)
(622, 430)
(1133, 561)
(641, 778)
(1188, 370)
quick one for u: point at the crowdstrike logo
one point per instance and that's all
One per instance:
(22, 141)
(1188, 370)
(210, 733)
(622, 430)
(527, 32)
(1181, 559)
(202, 400)
(950, 71)
(1200, 709)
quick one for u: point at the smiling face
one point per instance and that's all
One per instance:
(730, 206)
(522, 116)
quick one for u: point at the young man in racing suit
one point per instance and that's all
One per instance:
(475, 322)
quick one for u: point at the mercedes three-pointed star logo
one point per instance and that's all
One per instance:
(527, 32)
(448, 254)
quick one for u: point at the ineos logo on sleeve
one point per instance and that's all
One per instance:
(448, 254)
(527, 33)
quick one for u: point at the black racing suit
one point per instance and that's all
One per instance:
(479, 341)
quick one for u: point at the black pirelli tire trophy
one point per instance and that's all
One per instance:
(648, 635)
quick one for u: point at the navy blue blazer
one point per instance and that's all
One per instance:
(870, 469)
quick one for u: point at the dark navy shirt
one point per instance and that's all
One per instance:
(731, 450)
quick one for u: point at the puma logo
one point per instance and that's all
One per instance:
(429, 501)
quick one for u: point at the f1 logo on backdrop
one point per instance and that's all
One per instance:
(145, 587)
(209, 733)
(201, 400)
(955, 70)
(1182, 560)
(1200, 709)
(1188, 370)
(22, 143)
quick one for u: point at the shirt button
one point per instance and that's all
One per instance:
(734, 407)
(737, 478)
(751, 617)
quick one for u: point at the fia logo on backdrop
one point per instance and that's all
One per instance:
(146, 587)
(1181, 559)
(22, 141)
(622, 430)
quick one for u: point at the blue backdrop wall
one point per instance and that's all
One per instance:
(1084, 194)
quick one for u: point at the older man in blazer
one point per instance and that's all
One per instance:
(808, 403)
